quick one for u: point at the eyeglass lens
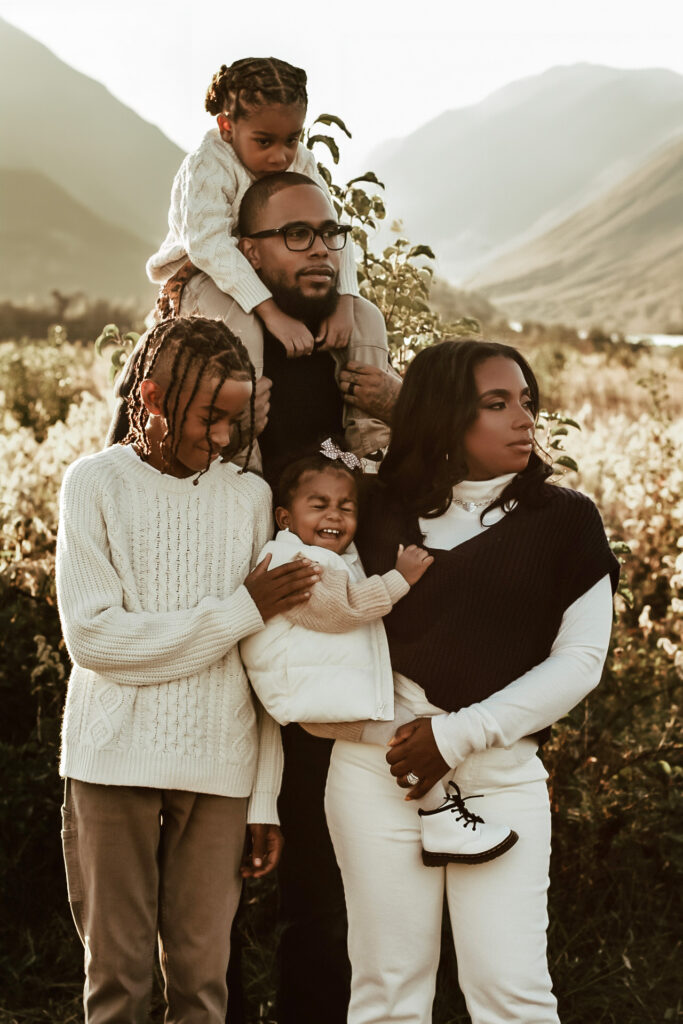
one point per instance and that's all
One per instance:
(300, 237)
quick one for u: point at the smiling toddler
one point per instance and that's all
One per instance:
(325, 664)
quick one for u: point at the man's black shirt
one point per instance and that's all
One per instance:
(305, 405)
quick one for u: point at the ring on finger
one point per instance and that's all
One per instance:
(352, 387)
(412, 778)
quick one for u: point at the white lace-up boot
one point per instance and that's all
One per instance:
(452, 833)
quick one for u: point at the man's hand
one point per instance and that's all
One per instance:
(283, 588)
(414, 749)
(373, 390)
(262, 848)
(335, 331)
(294, 336)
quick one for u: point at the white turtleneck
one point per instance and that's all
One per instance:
(539, 697)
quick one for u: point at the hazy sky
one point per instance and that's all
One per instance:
(383, 68)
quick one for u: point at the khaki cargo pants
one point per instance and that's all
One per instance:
(143, 864)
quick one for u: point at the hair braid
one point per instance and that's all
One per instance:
(255, 82)
(174, 351)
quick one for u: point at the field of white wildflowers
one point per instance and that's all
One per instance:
(615, 761)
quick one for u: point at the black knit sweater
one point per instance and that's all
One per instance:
(489, 609)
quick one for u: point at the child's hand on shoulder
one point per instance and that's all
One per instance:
(335, 331)
(293, 335)
(412, 562)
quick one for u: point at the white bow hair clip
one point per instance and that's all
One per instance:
(332, 451)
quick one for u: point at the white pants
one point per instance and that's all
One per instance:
(498, 910)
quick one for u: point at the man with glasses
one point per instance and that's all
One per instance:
(290, 234)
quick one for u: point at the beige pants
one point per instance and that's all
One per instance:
(142, 863)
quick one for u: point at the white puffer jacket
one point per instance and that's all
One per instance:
(326, 660)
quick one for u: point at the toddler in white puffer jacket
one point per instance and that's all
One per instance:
(325, 664)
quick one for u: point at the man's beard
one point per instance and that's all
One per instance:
(311, 310)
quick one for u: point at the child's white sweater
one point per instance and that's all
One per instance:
(149, 582)
(202, 222)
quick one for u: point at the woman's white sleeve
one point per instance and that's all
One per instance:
(134, 648)
(542, 695)
(204, 199)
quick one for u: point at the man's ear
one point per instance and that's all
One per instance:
(152, 395)
(282, 518)
(249, 248)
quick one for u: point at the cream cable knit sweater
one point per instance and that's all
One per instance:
(149, 574)
(202, 222)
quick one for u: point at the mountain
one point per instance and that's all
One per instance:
(525, 158)
(617, 262)
(49, 240)
(62, 124)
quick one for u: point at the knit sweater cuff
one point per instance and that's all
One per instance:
(245, 618)
(397, 585)
(262, 809)
(249, 291)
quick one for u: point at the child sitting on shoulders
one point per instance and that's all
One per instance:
(165, 755)
(326, 664)
(260, 105)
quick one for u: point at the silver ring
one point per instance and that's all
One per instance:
(412, 778)
(352, 387)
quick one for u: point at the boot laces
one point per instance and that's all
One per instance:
(455, 803)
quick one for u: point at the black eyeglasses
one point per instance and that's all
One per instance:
(300, 237)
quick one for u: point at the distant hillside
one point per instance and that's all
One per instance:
(476, 180)
(453, 303)
(49, 240)
(617, 262)
(68, 127)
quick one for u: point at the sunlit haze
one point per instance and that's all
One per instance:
(383, 68)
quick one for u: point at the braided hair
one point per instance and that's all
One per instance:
(255, 82)
(179, 352)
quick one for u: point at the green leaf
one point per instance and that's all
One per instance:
(109, 336)
(324, 173)
(421, 250)
(468, 323)
(619, 547)
(360, 237)
(328, 141)
(378, 208)
(368, 176)
(567, 462)
(558, 431)
(329, 119)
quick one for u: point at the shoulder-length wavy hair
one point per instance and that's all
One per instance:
(437, 403)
